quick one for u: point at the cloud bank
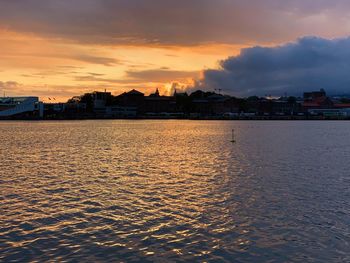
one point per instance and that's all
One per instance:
(310, 63)
(169, 22)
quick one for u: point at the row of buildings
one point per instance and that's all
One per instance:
(196, 105)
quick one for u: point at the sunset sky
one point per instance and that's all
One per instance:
(64, 48)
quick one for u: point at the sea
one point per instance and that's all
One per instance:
(174, 191)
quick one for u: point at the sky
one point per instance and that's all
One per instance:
(59, 49)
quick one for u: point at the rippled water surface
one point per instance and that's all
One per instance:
(175, 191)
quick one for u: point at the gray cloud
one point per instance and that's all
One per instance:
(308, 64)
(96, 60)
(142, 76)
(13, 88)
(95, 78)
(95, 74)
(8, 85)
(161, 75)
(176, 22)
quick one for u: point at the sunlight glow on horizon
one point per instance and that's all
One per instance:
(62, 69)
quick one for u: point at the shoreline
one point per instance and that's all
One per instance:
(263, 118)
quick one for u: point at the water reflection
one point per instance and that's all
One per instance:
(174, 190)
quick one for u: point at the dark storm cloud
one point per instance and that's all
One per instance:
(309, 64)
(175, 22)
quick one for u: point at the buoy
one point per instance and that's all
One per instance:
(233, 136)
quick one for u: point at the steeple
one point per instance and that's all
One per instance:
(157, 93)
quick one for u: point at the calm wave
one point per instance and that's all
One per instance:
(175, 191)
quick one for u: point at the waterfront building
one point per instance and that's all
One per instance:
(214, 104)
(70, 110)
(331, 113)
(157, 104)
(198, 104)
(317, 103)
(21, 107)
(316, 100)
(309, 96)
(115, 111)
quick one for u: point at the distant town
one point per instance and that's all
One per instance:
(199, 104)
